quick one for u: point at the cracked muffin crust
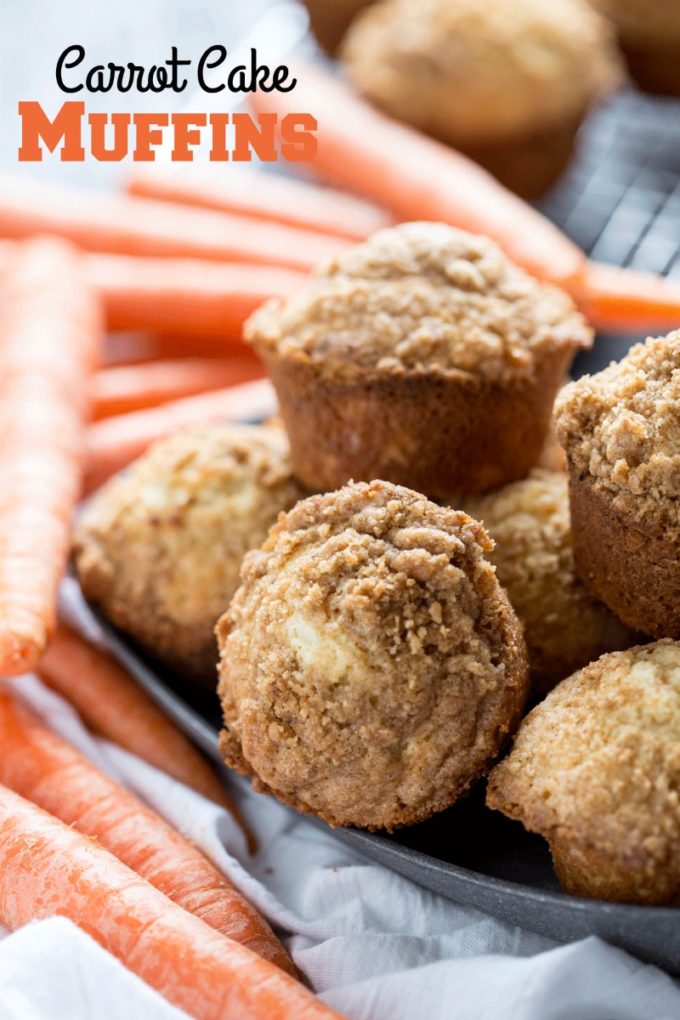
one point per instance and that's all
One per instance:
(595, 769)
(507, 83)
(371, 665)
(423, 356)
(159, 547)
(621, 432)
(565, 627)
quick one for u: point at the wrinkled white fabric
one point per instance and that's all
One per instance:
(374, 945)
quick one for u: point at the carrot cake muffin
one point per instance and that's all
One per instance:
(564, 626)
(330, 19)
(371, 664)
(621, 432)
(596, 770)
(507, 83)
(649, 35)
(422, 356)
(159, 548)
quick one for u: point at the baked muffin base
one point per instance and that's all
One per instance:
(634, 571)
(529, 165)
(439, 434)
(654, 69)
(582, 871)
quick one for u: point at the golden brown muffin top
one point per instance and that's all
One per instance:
(171, 530)
(479, 70)
(598, 762)
(420, 297)
(370, 661)
(565, 627)
(621, 429)
(642, 22)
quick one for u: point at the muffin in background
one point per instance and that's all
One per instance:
(564, 626)
(330, 19)
(372, 666)
(649, 35)
(507, 83)
(620, 429)
(159, 548)
(422, 356)
(595, 769)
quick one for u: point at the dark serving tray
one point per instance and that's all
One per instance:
(620, 201)
(471, 855)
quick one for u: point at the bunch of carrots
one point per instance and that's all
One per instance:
(180, 263)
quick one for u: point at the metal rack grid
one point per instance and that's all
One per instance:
(620, 199)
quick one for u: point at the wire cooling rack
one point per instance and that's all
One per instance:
(620, 198)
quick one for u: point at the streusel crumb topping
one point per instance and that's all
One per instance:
(421, 297)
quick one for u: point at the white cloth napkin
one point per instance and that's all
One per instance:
(373, 945)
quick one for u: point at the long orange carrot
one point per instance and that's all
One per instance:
(47, 868)
(185, 296)
(115, 442)
(49, 339)
(418, 178)
(113, 705)
(45, 769)
(628, 300)
(264, 196)
(126, 388)
(137, 226)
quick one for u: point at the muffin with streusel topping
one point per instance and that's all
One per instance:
(158, 549)
(649, 35)
(422, 356)
(507, 83)
(371, 664)
(595, 769)
(330, 19)
(621, 432)
(565, 627)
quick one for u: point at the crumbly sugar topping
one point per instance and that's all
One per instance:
(421, 297)
(598, 762)
(621, 429)
(565, 626)
(369, 632)
(480, 70)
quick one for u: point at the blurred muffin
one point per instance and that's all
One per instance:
(649, 35)
(621, 432)
(596, 770)
(422, 356)
(158, 549)
(509, 84)
(330, 19)
(371, 664)
(564, 626)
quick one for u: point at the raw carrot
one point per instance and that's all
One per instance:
(48, 771)
(180, 296)
(628, 300)
(138, 226)
(49, 340)
(184, 296)
(265, 196)
(113, 705)
(418, 178)
(114, 442)
(47, 868)
(136, 387)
